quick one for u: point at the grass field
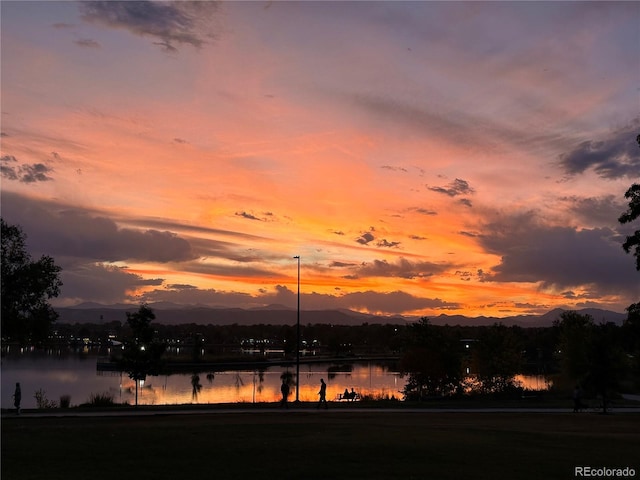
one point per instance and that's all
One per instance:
(312, 444)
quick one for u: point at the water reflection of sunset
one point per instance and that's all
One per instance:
(533, 382)
(252, 387)
(249, 386)
(79, 379)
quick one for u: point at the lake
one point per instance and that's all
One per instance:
(59, 372)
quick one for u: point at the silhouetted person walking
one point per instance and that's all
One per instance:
(577, 400)
(284, 388)
(17, 398)
(323, 394)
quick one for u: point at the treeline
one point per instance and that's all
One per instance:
(595, 359)
(335, 340)
(601, 359)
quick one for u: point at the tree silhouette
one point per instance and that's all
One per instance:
(607, 362)
(632, 323)
(142, 354)
(575, 332)
(631, 336)
(592, 355)
(632, 242)
(497, 358)
(27, 286)
(432, 360)
(632, 213)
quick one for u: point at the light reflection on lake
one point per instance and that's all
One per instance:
(76, 375)
(533, 382)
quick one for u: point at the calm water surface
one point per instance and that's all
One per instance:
(75, 374)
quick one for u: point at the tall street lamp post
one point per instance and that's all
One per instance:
(298, 338)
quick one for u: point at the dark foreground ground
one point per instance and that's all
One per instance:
(312, 444)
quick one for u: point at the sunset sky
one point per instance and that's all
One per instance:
(421, 158)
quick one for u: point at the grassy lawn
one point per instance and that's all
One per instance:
(314, 444)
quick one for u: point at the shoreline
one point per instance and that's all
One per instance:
(103, 365)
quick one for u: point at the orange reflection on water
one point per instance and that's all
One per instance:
(533, 382)
(78, 378)
(255, 387)
(250, 387)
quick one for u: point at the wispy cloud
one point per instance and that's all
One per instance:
(100, 282)
(181, 286)
(425, 211)
(171, 24)
(366, 237)
(384, 243)
(394, 168)
(614, 156)
(74, 232)
(87, 43)
(248, 216)
(25, 173)
(455, 188)
(371, 301)
(402, 268)
(264, 216)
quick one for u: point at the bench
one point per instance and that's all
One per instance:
(347, 398)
